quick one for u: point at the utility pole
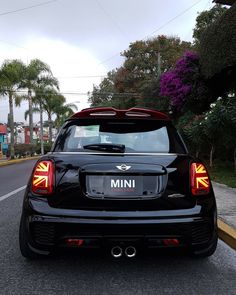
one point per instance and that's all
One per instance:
(31, 127)
(41, 129)
(158, 65)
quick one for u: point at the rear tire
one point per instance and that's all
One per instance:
(25, 248)
(207, 252)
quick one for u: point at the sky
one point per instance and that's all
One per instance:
(81, 40)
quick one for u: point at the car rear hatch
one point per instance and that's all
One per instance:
(109, 159)
(122, 182)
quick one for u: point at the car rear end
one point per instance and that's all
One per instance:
(121, 179)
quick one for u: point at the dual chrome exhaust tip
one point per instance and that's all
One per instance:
(129, 251)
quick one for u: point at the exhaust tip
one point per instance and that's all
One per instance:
(116, 252)
(130, 251)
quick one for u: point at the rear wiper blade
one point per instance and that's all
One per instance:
(107, 147)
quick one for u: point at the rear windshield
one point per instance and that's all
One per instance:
(137, 136)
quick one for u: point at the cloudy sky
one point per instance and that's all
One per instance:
(81, 40)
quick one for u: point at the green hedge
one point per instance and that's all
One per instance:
(24, 150)
(47, 148)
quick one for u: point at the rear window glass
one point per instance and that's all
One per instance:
(137, 136)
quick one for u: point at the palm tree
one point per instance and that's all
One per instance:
(11, 72)
(45, 84)
(63, 113)
(53, 103)
(33, 74)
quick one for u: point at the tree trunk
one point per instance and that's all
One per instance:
(11, 121)
(235, 159)
(50, 127)
(211, 155)
(30, 116)
(41, 129)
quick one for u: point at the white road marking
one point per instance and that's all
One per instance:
(12, 193)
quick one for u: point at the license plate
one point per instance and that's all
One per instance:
(123, 186)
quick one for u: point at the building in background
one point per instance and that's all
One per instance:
(3, 140)
(36, 134)
(22, 133)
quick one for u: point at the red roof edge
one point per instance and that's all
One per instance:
(117, 113)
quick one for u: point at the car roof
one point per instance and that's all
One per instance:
(109, 112)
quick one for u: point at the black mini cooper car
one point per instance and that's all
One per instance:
(121, 179)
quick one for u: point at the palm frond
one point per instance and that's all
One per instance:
(34, 110)
(19, 99)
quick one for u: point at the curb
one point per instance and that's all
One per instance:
(227, 233)
(15, 161)
(221, 185)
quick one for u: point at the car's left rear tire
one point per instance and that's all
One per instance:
(205, 252)
(26, 250)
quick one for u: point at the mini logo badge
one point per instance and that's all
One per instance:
(123, 167)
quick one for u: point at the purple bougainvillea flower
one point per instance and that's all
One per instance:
(177, 84)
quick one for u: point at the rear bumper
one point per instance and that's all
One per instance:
(50, 227)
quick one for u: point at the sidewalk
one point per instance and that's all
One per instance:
(4, 161)
(226, 205)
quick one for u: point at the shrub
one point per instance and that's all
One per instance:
(24, 150)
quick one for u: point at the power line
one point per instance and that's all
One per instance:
(81, 77)
(112, 19)
(109, 58)
(27, 7)
(83, 93)
(6, 107)
(191, 30)
(13, 44)
(156, 30)
(174, 18)
(22, 9)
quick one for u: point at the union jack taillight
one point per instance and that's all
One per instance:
(43, 178)
(200, 182)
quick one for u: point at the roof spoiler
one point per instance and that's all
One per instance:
(116, 113)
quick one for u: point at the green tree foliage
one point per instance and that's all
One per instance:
(106, 93)
(217, 52)
(212, 132)
(53, 103)
(136, 82)
(205, 19)
(64, 112)
(213, 127)
(190, 126)
(227, 107)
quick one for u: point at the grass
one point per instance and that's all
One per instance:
(223, 172)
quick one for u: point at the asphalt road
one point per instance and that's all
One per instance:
(14, 176)
(97, 272)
